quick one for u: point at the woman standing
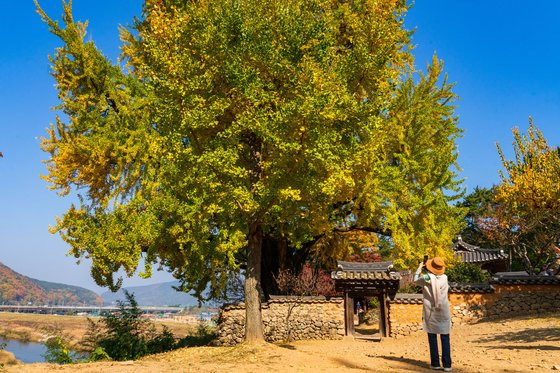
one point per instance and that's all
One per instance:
(436, 317)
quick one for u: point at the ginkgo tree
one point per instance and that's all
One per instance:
(526, 216)
(230, 127)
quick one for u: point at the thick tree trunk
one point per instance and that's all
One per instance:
(253, 317)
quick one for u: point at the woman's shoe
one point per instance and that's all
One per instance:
(447, 369)
(435, 368)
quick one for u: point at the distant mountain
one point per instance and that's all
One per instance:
(68, 294)
(161, 294)
(16, 288)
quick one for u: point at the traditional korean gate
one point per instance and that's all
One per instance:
(366, 280)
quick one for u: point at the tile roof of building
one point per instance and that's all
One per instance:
(470, 288)
(481, 257)
(525, 280)
(474, 254)
(406, 298)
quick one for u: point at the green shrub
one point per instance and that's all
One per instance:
(122, 335)
(164, 341)
(467, 273)
(202, 337)
(98, 354)
(57, 352)
(126, 335)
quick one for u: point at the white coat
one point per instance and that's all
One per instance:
(435, 319)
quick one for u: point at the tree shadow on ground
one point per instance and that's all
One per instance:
(502, 318)
(414, 365)
(525, 336)
(288, 346)
(350, 364)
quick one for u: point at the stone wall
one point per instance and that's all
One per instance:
(472, 303)
(469, 302)
(405, 315)
(286, 318)
(298, 318)
(505, 301)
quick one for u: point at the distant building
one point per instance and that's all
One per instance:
(491, 260)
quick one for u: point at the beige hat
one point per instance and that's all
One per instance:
(436, 266)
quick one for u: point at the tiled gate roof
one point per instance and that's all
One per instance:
(366, 278)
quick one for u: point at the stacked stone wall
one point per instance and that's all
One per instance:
(286, 318)
(405, 317)
(472, 305)
(299, 318)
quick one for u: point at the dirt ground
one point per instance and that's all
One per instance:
(516, 345)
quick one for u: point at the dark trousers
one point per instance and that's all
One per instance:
(445, 350)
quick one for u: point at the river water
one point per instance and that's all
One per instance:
(26, 352)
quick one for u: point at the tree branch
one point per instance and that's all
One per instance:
(382, 231)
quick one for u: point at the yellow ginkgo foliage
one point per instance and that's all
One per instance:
(230, 129)
(527, 217)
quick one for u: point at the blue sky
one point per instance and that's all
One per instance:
(503, 55)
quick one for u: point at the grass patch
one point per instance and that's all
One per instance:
(7, 358)
(23, 334)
